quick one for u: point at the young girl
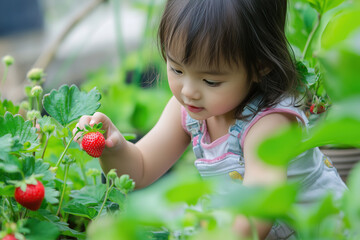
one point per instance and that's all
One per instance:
(234, 83)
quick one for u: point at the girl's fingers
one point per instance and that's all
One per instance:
(113, 139)
(97, 118)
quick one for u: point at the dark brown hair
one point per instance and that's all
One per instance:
(251, 32)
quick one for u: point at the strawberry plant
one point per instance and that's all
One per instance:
(36, 146)
(39, 196)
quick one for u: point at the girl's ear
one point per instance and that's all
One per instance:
(264, 69)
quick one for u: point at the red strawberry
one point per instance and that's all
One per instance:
(317, 109)
(9, 237)
(93, 141)
(32, 197)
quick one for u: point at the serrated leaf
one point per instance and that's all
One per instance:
(40, 230)
(8, 106)
(18, 127)
(51, 195)
(7, 190)
(69, 103)
(43, 214)
(89, 195)
(9, 167)
(117, 197)
(81, 210)
(6, 143)
(42, 168)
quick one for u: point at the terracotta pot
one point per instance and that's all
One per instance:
(344, 159)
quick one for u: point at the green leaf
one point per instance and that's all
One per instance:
(18, 127)
(7, 190)
(81, 210)
(8, 106)
(89, 195)
(281, 147)
(330, 4)
(46, 215)
(341, 27)
(341, 69)
(42, 168)
(6, 143)
(117, 197)
(322, 6)
(188, 191)
(268, 202)
(9, 167)
(69, 103)
(51, 195)
(40, 230)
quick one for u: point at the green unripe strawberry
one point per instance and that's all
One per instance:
(8, 60)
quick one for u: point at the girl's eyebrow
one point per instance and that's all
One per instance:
(209, 72)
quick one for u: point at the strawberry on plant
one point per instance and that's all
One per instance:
(317, 108)
(93, 141)
(9, 237)
(30, 195)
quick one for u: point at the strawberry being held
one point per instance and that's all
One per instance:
(93, 141)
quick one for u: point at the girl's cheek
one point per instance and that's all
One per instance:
(173, 86)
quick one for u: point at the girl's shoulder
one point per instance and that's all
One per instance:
(273, 115)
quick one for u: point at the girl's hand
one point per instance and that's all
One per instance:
(112, 135)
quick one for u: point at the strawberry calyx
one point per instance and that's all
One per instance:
(95, 128)
(32, 180)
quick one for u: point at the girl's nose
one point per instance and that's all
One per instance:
(190, 91)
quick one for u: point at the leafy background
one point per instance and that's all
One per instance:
(325, 36)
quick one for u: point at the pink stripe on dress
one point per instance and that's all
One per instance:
(267, 112)
(218, 159)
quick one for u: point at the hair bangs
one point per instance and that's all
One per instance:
(202, 31)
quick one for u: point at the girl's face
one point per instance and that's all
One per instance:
(204, 92)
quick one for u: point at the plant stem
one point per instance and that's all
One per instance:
(11, 207)
(65, 150)
(6, 70)
(25, 213)
(5, 216)
(311, 36)
(64, 188)
(38, 103)
(108, 189)
(45, 146)
(82, 168)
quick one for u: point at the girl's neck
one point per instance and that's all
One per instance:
(218, 126)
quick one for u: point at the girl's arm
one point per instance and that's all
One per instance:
(256, 171)
(151, 156)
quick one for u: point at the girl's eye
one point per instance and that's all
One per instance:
(177, 72)
(211, 83)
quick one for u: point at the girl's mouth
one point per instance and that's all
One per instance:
(194, 109)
